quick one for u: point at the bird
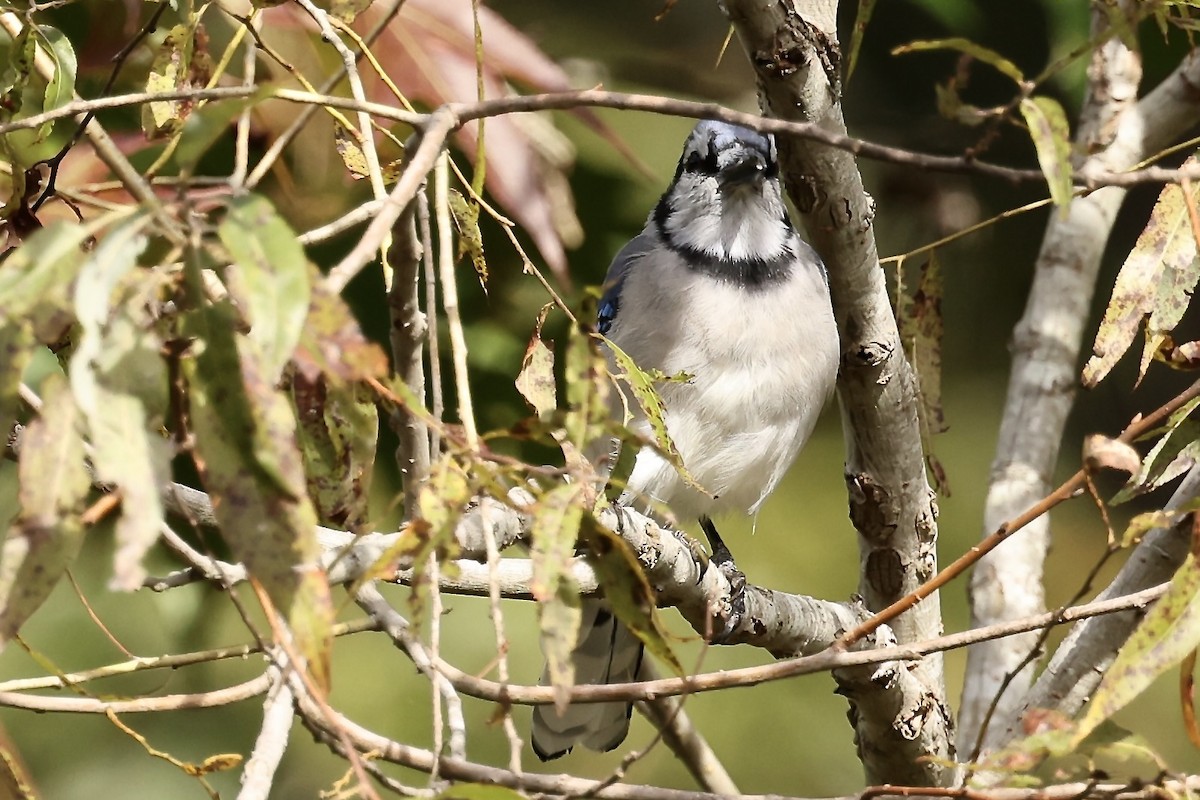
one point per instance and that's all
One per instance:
(720, 286)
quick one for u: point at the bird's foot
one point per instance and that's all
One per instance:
(730, 616)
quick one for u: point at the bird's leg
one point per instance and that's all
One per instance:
(723, 560)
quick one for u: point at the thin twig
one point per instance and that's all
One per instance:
(170, 702)
(350, 67)
(824, 661)
(174, 661)
(241, 141)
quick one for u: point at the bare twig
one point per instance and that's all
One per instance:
(170, 702)
(259, 773)
(396, 626)
(144, 663)
(688, 744)
(365, 132)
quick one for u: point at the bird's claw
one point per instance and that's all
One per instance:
(730, 615)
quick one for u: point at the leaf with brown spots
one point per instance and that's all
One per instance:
(338, 428)
(47, 534)
(246, 453)
(332, 342)
(626, 588)
(1169, 631)
(1156, 281)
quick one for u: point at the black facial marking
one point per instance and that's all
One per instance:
(702, 163)
(751, 273)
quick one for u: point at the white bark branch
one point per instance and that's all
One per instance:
(1083, 657)
(784, 624)
(1119, 131)
(278, 709)
(903, 724)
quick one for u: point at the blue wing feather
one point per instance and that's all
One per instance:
(610, 301)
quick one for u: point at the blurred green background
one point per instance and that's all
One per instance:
(788, 737)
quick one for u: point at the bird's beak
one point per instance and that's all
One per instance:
(747, 168)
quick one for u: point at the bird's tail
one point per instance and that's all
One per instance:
(606, 653)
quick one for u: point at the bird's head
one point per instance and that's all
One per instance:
(725, 200)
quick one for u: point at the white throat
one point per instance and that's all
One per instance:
(743, 224)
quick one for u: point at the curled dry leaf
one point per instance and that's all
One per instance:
(1103, 452)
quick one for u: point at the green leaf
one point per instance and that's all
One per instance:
(269, 279)
(556, 520)
(60, 89)
(169, 72)
(1147, 521)
(35, 279)
(535, 382)
(470, 239)
(587, 392)
(979, 52)
(246, 452)
(559, 617)
(17, 72)
(348, 10)
(650, 401)
(444, 495)
(865, 9)
(626, 588)
(349, 147)
(47, 534)
(1052, 140)
(1169, 631)
(119, 381)
(16, 351)
(1158, 276)
(555, 529)
(332, 342)
(338, 429)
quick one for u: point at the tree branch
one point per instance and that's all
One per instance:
(1081, 660)
(1119, 131)
(170, 702)
(271, 743)
(408, 338)
(904, 726)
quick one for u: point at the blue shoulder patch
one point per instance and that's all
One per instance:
(607, 313)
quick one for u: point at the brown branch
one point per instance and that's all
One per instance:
(1089, 179)
(825, 661)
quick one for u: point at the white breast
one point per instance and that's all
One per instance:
(763, 364)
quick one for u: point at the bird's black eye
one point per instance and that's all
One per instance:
(704, 163)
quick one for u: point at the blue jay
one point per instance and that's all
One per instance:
(720, 286)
